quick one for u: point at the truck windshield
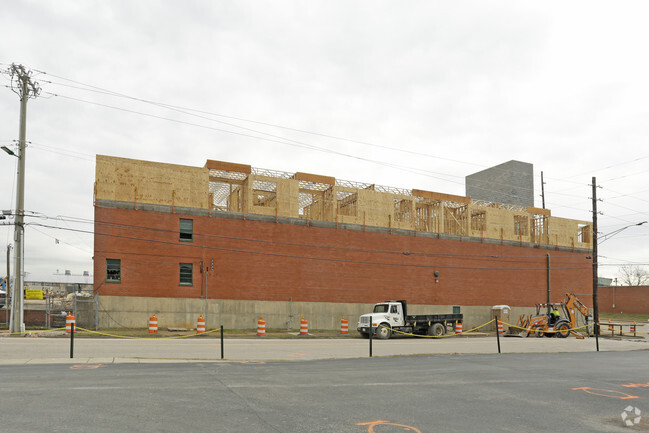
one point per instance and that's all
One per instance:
(381, 308)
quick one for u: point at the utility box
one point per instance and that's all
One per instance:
(503, 312)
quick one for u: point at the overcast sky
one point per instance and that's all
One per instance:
(414, 94)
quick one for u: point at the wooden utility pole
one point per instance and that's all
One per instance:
(542, 191)
(595, 271)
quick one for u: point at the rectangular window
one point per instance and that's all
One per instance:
(186, 274)
(113, 270)
(186, 230)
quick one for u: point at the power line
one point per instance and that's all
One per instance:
(294, 244)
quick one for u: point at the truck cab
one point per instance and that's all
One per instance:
(384, 317)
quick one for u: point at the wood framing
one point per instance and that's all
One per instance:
(231, 187)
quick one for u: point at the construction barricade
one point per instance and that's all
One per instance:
(458, 328)
(304, 327)
(153, 325)
(200, 325)
(69, 320)
(261, 328)
(344, 326)
(500, 326)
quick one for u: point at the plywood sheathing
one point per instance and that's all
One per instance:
(241, 188)
(131, 180)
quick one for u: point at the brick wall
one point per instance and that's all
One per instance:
(624, 299)
(277, 262)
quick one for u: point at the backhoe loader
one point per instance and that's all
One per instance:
(559, 319)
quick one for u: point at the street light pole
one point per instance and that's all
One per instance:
(21, 84)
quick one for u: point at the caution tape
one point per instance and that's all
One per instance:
(33, 331)
(438, 336)
(549, 331)
(146, 338)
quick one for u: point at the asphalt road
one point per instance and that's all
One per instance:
(24, 350)
(567, 392)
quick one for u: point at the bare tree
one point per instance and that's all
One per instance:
(633, 275)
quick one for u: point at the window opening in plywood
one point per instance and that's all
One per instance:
(520, 225)
(584, 233)
(264, 193)
(540, 228)
(478, 220)
(347, 203)
(455, 216)
(402, 210)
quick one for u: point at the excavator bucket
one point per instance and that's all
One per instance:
(520, 330)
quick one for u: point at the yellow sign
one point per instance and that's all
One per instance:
(34, 294)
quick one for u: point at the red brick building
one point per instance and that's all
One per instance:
(225, 232)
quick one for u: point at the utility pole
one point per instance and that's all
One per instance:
(542, 190)
(595, 278)
(8, 281)
(25, 88)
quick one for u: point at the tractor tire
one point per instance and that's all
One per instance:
(383, 332)
(436, 330)
(539, 332)
(563, 329)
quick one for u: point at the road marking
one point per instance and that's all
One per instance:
(85, 366)
(370, 426)
(606, 393)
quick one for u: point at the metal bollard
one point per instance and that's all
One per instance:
(498, 333)
(72, 340)
(371, 332)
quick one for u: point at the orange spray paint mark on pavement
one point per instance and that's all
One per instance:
(370, 426)
(636, 385)
(606, 393)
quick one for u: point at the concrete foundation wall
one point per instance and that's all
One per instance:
(134, 312)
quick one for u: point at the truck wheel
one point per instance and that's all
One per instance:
(383, 332)
(563, 330)
(436, 330)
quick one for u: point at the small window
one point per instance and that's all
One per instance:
(456, 309)
(186, 274)
(393, 309)
(186, 230)
(113, 270)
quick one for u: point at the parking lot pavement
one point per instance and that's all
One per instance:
(19, 350)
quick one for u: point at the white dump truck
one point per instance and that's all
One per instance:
(390, 316)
